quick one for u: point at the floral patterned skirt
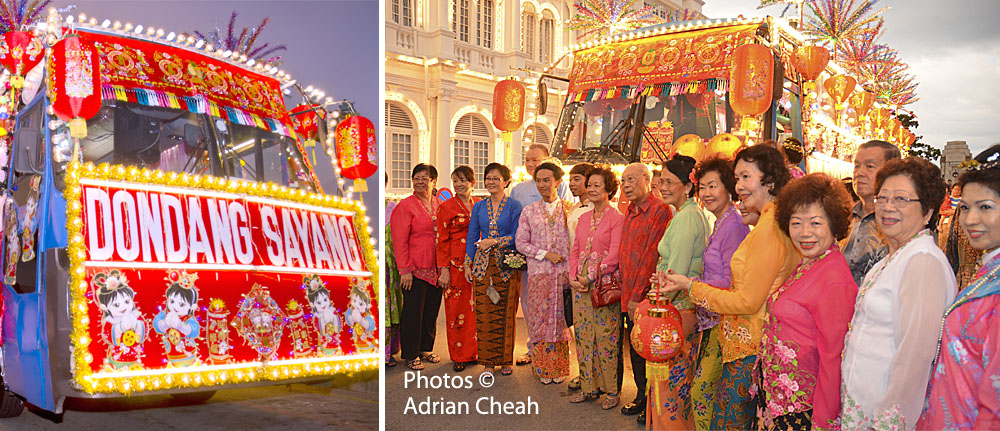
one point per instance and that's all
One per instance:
(597, 352)
(669, 390)
(735, 406)
(706, 378)
(550, 360)
(460, 318)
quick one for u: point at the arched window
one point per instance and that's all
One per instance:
(471, 144)
(528, 23)
(546, 37)
(460, 19)
(484, 23)
(402, 12)
(534, 134)
(399, 130)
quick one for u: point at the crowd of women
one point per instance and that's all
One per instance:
(801, 306)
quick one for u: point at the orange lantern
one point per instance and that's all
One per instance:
(690, 145)
(810, 61)
(882, 116)
(724, 144)
(839, 88)
(20, 51)
(357, 152)
(752, 79)
(658, 336)
(893, 129)
(508, 106)
(910, 137)
(862, 102)
(74, 83)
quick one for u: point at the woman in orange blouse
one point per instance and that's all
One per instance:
(452, 230)
(760, 265)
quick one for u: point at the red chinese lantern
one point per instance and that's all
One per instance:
(699, 100)
(74, 83)
(810, 61)
(357, 152)
(20, 51)
(306, 118)
(752, 79)
(839, 88)
(508, 106)
(658, 336)
(862, 102)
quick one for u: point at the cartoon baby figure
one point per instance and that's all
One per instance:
(324, 315)
(176, 322)
(123, 328)
(359, 317)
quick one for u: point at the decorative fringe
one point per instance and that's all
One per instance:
(197, 104)
(661, 89)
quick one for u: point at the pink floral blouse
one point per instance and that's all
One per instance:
(803, 337)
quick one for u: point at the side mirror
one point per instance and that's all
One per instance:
(28, 151)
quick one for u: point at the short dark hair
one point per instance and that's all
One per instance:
(425, 167)
(503, 170)
(890, 152)
(819, 188)
(464, 172)
(581, 169)
(681, 166)
(926, 179)
(610, 180)
(771, 163)
(557, 172)
(793, 150)
(723, 167)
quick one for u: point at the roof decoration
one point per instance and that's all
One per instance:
(603, 17)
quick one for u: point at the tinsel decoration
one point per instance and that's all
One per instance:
(835, 22)
(607, 17)
(244, 42)
(17, 15)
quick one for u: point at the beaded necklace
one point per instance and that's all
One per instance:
(969, 292)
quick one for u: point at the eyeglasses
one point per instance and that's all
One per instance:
(897, 201)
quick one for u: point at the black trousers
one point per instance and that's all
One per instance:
(638, 362)
(418, 319)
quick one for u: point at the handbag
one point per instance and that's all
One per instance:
(568, 307)
(607, 290)
(512, 260)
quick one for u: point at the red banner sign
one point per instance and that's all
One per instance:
(173, 284)
(132, 63)
(676, 57)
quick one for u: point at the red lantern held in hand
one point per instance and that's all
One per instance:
(752, 78)
(508, 106)
(658, 336)
(357, 152)
(20, 51)
(74, 83)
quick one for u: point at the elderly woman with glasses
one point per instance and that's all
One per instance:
(897, 314)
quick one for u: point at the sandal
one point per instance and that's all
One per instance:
(431, 357)
(458, 366)
(415, 364)
(524, 360)
(610, 401)
(391, 362)
(583, 396)
(574, 384)
(506, 370)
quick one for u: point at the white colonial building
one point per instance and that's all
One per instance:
(443, 59)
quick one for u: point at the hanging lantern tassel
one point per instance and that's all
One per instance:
(360, 185)
(78, 128)
(507, 136)
(17, 81)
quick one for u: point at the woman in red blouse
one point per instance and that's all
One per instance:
(452, 230)
(413, 224)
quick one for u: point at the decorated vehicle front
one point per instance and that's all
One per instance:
(164, 230)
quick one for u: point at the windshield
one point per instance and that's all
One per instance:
(604, 130)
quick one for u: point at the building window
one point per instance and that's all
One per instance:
(399, 129)
(546, 37)
(471, 141)
(528, 23)
(402, 12)
(460, 19)
(484, 23)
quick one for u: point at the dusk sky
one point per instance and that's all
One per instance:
(953, 49)
(332, 45)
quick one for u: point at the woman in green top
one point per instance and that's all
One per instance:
(681, 251)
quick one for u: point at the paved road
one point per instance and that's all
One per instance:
(553, 410)
(298, 407)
